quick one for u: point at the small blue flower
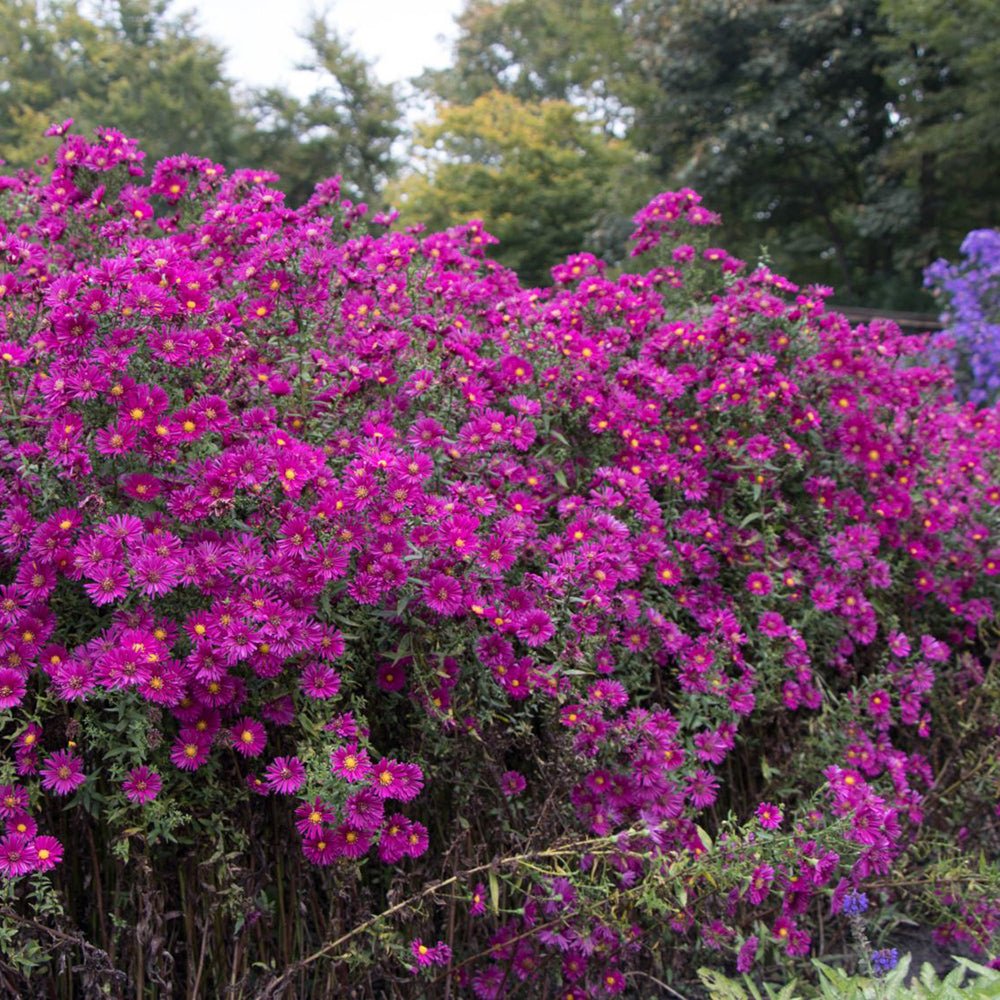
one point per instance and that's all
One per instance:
(884, 961)
(854, 903)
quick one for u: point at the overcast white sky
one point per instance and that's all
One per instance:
(400, 36)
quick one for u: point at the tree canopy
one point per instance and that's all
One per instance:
(137, 66)
(861, 131)
(537, 171)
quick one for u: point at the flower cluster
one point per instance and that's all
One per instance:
(265, 469)
(970, 291)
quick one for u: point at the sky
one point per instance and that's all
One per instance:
(400, 37)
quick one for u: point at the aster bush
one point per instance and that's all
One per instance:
(373, 622)
(970, 294)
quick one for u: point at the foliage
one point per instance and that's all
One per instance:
(372, 622)
(133, 63)
(351, 121)
(854, 139)
(833, 985)
(945, 60)
(970, 291)
(545, 180)
(151, 72)
(778, 113)
(541, 50)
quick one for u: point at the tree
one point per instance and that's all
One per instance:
(542, 49)
(539, 176)
(131, 66)
(856, 138)
(779, 114)
(945, 66)
(347, 126)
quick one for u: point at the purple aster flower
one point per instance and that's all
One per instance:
(512, 783)
(884, 961)
(854, 903)
(62, 772)
(747, 954)
(393, 780)
(285, 775)
(12, 688)
(249, 737)
(17, 855)
(49, 852)
(142, 785)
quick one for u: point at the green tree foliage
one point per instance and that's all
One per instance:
(863, 132)
(130, 65)
(778, 113)
(136, 66)
(537, 173)
(542, 49)
(945, 61)
(348, 125)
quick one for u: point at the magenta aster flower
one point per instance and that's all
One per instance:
(249, 737)
(109, 582)
(189, 753)
(312, 817)
(142, 785)
(760, 884)
(391, 676)
(350, 763)
(423, 953)
(74, 680)
(281, 711)
(12, 688)
(512, 783)
(23, 824)
(759, 583)
(156, 576)
(612, 982)
(443, 594)
(62, 772)
(49, 852)
(350, 841)
(417, 839)
(703, 788)
(285, 775)
(14, 800)
(439, 954)
(393, 780)
(392, 841)
(321, 848)
(365, 809)
(319, 680)
(477, 904)
(534, 628)
(17, 855)
(769, 816)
